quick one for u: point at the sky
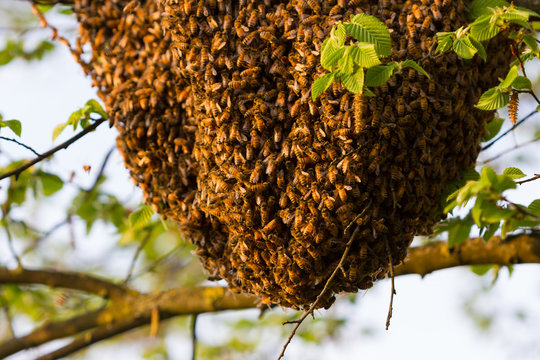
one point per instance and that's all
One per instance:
(430, 317)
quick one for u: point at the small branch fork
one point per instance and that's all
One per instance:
(128, 309)
(509, 130)
(45, 155)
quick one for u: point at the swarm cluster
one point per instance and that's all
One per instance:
(212, 102)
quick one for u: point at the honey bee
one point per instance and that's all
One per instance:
(268, 36)
(187, 7)
(436, 12)
(227, 23)
(423, 103)
(334, 11)
(193, 27)
(416, 12)
(426, 24)
(253, 18)
(201, 9)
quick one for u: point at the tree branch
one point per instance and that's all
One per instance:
(425, 259)
(45, 155)
(68, 280)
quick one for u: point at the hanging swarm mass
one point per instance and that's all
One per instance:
(212, 101)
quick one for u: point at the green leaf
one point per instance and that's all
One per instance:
(481, 270)
(58, 130)
(321, 84)
(490, 231)
(141, 217)
(412, 64)
(510, 77)
(492, 99)
(355, 82)
(458, 233)
(96, 107)
(339, 33)
(513, 173)
(378, 75)
(14, 125)
(481, 7)
(530, 41)
(445, 41)
(369, 29)
(464, 48)
(75, 117)
(492, 128)
(481, 51)
(346, 64)
(50, 183)
(521, 82)
(368, 93)
(331, 53)
(364, 55)
(484, 29)
(534, 207)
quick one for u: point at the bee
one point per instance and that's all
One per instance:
(400, 107)
(241, 30)
(249, 38)
(344, 209)
(334, 11)
(328, 202)
(426, 24)
(332, 153)
(352, 275)
(61, 300)
(227, 23)
(342, 192)
(193, 27)
(253, 18)
(201, 9)
(423, 103)
(187, 7)
(411, 27)
(416, 12)
(436, 12)
(375, 118)
(405, 88)
(268, 36)
(280, 101)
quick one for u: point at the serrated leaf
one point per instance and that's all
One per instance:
(50, 183)
(14, 125)
(534, 207)
(355, 82)
(513, 172)
(321, 84)
(369, 29)
(481, 7)
(529, 12)
(464, 48)
(492, 128)
(483, 28)
(445, 41)
(481, 51)
(412, 64)
(378, 75)
(141, 217)
(340, 34)
(530, 41)
(521, 82)
(513, 14)
(364, 55)
(492, 99)
(510, 77)
(346, 64)
(368, 93)
(330, 54)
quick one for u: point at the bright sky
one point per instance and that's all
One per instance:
(429, 319)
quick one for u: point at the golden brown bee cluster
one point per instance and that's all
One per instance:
(212, 101)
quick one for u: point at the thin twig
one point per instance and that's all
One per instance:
(101, 169)
(136, 256)
(535, 177)
(509, 130)
(10, 241)
(320, 296)
(5, 309)
(45, 155)
(505, 152)
(521, 209)
(390, 307)
(157, 262)
(194, 336)
(21, 144)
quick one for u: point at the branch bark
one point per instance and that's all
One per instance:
(129, 309)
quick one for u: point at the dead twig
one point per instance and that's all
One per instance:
(389, 316)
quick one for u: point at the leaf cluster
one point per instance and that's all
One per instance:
(358, 65)
(14, 49)
(82, 117)
(489, 18)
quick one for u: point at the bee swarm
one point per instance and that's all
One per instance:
(217, 126)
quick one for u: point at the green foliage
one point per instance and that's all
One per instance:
(14, 49)
(492, 128)
(491, 209)
(358, 65)
(81, 117)
(489, 18)
(13, 125)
